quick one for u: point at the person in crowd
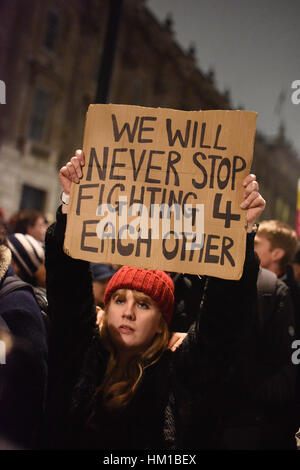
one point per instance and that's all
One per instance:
(30, 222)
(118, 386)
(28, 259)
(279, 302)
(265, 417)
(23, 361)
(101, 274)
(296, 265)
(276, 245)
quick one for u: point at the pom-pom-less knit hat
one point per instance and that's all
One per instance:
(27, 253)
(156, 284)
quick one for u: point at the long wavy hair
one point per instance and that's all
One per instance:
(120, 383)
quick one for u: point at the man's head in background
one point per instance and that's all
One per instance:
(101, 274)
(276, 244)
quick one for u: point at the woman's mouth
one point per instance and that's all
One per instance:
(126, 329)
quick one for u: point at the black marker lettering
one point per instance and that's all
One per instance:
(145, 129)
(209, 258)
(114, 165)
(178, 135)
(217, 139)
(227, 243)
(81, 197)
(85, 234)
(236, 168)
(195, 160)
(170, 166)
(94, 158)
(126, 127)
(152, 167)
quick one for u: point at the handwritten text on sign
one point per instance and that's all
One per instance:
(161, 189)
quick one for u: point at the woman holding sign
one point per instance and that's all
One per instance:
(117, 385)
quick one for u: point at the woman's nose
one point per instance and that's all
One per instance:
(128, 311)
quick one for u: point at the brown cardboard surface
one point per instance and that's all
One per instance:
(140, 161)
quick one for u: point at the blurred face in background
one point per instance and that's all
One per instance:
(262, 247)
(269, 257)
(98, 291)
(38, 230)
(296, 267)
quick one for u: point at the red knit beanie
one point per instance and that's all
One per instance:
(156, 284)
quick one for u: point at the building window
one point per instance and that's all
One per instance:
(40, 109)
(32, 198)
(51, 34)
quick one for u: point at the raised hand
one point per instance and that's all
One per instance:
(253, 202)
(72, 171)
(176, 340)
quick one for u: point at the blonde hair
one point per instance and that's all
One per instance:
(120, 383)
(280, 235)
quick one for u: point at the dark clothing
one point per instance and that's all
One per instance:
(188, 293)
(160, 415)
(289, 279)
(23, 378)
(265, 419)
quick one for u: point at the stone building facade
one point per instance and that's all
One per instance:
(277, 166)
(49, 63)
(50, 53)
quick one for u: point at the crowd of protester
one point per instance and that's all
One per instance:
(225, 379)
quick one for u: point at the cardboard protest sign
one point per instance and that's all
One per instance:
(161, 189)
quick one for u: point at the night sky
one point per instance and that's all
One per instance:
(254, 48)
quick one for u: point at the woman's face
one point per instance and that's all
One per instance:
(133, 320)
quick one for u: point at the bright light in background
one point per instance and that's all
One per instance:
(2, 92)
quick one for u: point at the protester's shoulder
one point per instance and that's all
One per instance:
(21, 304)
(165, 366)
(186, 283)
(282, 289)
(268, 283)
(23, 317)
(21, 299)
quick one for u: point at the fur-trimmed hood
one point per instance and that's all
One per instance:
(5, 260)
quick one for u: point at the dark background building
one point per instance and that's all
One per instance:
(51, 53)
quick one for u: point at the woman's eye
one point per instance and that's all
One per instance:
(143, 305)
(119, 301)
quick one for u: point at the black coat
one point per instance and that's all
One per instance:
(265, 416)
(23, 377)
(162, 413)
(289, 279)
